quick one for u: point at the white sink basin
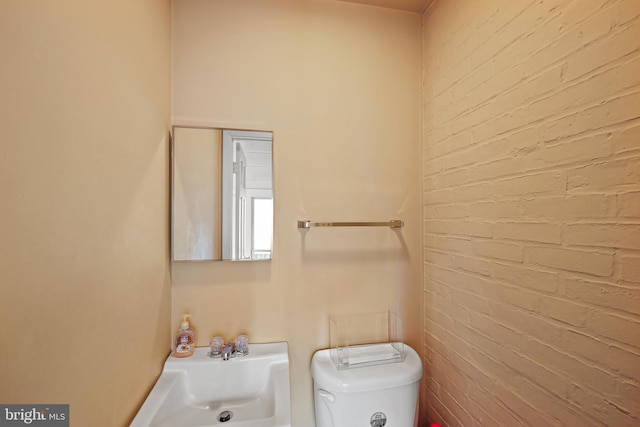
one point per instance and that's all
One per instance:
(201, 391)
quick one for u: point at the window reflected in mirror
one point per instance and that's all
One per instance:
(262, 227)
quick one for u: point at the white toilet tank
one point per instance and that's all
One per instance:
(378, 396)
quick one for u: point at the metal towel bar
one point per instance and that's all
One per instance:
(394, 223)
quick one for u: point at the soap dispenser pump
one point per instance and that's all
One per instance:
(185, 341)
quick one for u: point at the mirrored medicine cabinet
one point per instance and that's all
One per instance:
(221, 194)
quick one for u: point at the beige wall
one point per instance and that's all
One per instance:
(338, 84)
(532, 212)
(84, 277)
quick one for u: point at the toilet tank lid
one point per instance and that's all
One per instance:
(328, 377)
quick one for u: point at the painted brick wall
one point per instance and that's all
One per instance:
(531, 139)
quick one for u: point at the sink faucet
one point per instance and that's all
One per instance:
(228, 351)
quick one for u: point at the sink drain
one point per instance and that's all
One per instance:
(225, 416)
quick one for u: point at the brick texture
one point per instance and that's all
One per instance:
(531, 197)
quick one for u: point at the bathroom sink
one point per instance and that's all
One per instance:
(245, 391)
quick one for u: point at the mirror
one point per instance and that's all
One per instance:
(221, 194)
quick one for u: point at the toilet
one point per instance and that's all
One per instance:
(377, 395)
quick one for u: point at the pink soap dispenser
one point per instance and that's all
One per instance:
(184, 343)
